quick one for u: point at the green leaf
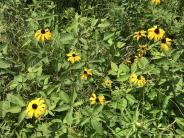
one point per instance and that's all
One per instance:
(69, 117)
(86, 120)
(4, 106)
(108, 36)
(66, 38)
(78, 103)
(21, 117)
(61, 108)
(104, 24)
(64, 96)
(114, 69)
(133, 67)
(120, 44)
(123, 78)
(16, 99)
(14, 109)
(74, 96)
(97, 125)
(143, 63)
(4, 64)
(123, 68)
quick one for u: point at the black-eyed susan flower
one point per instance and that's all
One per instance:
(165, 44)
(156, 2)
(97, 100)
(73, 57)
(93, 99)
(139, 34)
(133, 78)
(137, 80)
(141, 50)
(101, 99)
(43, 34)
(141, 81)
(155, 33)
(108, 83)
(86, 73)
(36, 108)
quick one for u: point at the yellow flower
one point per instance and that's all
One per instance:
(86, 73)
(142, 49)
(137, 80)
(101, 99)
(108, 83)
(165, 44)
(156, 2)
(155, 33)
(43, 34)
(141, 81)
(93, 99)
(133, 78)
(139, 34)
(97, 100)
(73, 57)
(36, 108)
(165, 48)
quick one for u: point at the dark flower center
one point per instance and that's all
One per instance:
(138, 77)
(85, 72)
(163, 40)
(43, 31)
(97, 100)
(139, 33)
(157, 31)
(34, 106)
(73, 55)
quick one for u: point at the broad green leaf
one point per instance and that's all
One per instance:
(83, 122)
(104, 24)
(4, 106)
(74, 96)
(133, 67)
(66, 38)
(64, 96)
(123, 68)
(114, 69)
(143, 63)
(69, 117)
(123, 78)
(16, 99)
(78, 103)
(61, 108)
(120, 44)
(97, 125)
(108, 36)
(14, 109)
(21, 117)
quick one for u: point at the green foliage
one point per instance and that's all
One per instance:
(102, 34)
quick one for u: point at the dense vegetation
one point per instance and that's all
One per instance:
(92, 68)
